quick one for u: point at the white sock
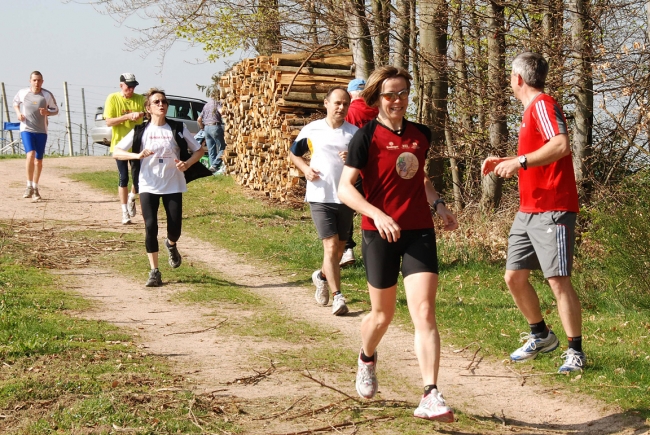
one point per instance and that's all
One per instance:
(124, 208)
(34, 185)
(29, 183)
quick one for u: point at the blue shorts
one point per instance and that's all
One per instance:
(34, 142)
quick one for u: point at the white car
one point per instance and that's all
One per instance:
(182, 109)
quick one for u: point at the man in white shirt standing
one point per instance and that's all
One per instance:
(327, 142)
(33, 105)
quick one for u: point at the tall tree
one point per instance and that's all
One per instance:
(582, 53)
(400, 54)
(381, 27)
(434, 20)
(497, 89)
(359, 37)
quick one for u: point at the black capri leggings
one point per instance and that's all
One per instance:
(149, 203)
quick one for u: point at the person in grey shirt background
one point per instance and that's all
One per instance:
(33, 105)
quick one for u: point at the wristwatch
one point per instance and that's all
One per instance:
(434, 206)
(523, 161)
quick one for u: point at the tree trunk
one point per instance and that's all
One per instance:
(434, 19)
(359, 37)
(498, 90)
(553, 24)
(400, 58)
(581, 37)
(381, 13)
(268, 41)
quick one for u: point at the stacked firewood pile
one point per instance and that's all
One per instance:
(265, 102)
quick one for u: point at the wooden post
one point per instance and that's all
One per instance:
(83, 101)
(68, 125)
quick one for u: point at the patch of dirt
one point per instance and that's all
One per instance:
(189, 335)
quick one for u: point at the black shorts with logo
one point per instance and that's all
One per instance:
(415, 249)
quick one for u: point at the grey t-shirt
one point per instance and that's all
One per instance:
(29, 103)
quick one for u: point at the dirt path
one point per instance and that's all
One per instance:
(211, 360)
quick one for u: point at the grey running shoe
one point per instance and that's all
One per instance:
(155, 279)
(322, 294)
(347, 258)
(126, 219)
(174, 257)
(574, 361)
(367, 384)
(433, 407)
(534, 345)
(36, 196)
(338, 305)
(130, 206)
(29, 191)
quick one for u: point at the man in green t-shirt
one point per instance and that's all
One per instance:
(123, 111)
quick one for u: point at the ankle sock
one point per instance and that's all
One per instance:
(34, 185)
(429, 388)
(124, 208)
(29, 183)
(539, 329)
(575, 343)
(367, 359)
(336, 293)
(131, 196)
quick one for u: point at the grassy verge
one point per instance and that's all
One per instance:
(474, 306)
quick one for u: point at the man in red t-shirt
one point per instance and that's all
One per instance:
(359, 114)
(543, 234)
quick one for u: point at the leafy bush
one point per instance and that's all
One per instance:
(617, 240)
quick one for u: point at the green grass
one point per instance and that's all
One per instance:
(474, 305)
(64, 374)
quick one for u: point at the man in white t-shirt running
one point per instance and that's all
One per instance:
(33, 105)
(327, 142)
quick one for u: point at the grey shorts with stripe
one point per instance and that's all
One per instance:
(542, 241)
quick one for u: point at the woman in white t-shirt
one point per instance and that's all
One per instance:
(156, 144)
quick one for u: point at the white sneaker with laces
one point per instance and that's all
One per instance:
(433, 407)
(338, 305)
(126, 219)
(130, 206)
(534, 345)
(29, 191)
(574, 361)
(36, 197)
(322, 294)
(347, 258)
(366, 383)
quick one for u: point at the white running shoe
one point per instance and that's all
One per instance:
(130, 206)
(366, 383)
(36, 196)
(534, 345)
(338, 305)
(322, 294)
(126, 219)
(433, 407)
(347, 258)
(574, 361)
(29, 191)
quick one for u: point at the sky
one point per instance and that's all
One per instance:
(73, 43)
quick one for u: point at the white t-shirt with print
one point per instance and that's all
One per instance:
(158, 172)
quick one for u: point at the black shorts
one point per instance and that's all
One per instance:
(415, 248)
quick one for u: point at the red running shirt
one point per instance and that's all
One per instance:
(551, 187)
(392, 169)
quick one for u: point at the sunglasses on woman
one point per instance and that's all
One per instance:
(161, 102)
(392, 96)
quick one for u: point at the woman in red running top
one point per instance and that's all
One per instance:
(390, 153)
